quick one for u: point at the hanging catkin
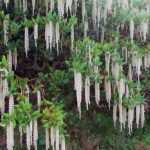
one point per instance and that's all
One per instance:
(83, 10)
(114, 114)
(75, 6)
(109, 4)
(124, 116)
(14, 59)
(131, 30)
(147, 60)
(137, 115)
(69, 5)
(115, 69)
(87, 91)
(47, 138)
(61, 7)
(52, 6)
(107, 62)
(98, 14)
(108, 91)
(72, 37)
(78, 88)
(137, 63)
(35, 133)
(138, 67)
(57, 36)
(46, 5)
(130, 72)
(121, 89)
(57, 138)
(86, 26)
(49, 35)
(130, 119)
(33, 6)
(142, 115)
(27, 92)
(52, 137)
(31, 131)
(39, 99)
(126, 91)
(5, 28)
(120, 115)
(63, 144)
(144, 30)
(6, 3)
(24, 6)
(3, 89)
(10, 128)
(10, 61)
(21, 134)
(35, 33)
(97, 86)
(28, 137)
(125, 54)
(26, 40)
(10, 136)
(94, 12)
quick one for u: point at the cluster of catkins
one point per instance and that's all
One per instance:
(100, 14)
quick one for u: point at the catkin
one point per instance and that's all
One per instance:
(10, 128)
(14, 59)
(33, 6)
(52, 137)
(61, 7)
(69, 5)
(63, 145)
(120, 115)
(94, 12)
(31, 131)
(97, 87)
(72, 37)
(10, 60)
(28, 137)
(124, 116)
(35, 133)
(85, 28)
(47, 138)
(131, 30)
(107, 62)
(142, 115)
(87, 91)
(39, 99)
(78, 88)
(49, 35)
(21, 134)
(108, 91)
(57, 138)
(27, 92)
(6, 3)
(130, 119)
(137, 115)
(5, 28)
(57, 37)
(144, 28)
(83, 10)
(109, 5)
(26, 40)
(114, 114)
(35, 33)
(24, 6)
